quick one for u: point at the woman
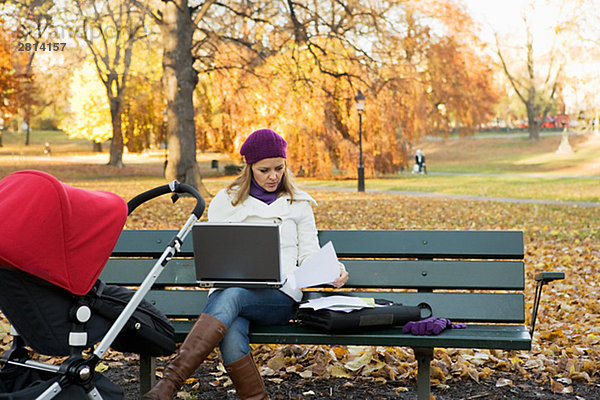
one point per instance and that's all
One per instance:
(263, 192)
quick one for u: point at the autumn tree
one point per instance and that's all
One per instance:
(9, 84)
(14, 84)
(329, 50)
(267, 63)
(279, 58)
(52, 98)
(536, 82)
(109, 30)
(471, 93)
(177, 21)
(177, 26)
(582, 80)
(143, 103)
(300, 73)
(33, 22)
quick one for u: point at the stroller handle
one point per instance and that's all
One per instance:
(174, 187)
(172, 249)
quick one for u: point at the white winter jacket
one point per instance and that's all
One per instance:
(297, 229)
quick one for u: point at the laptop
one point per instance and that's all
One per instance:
(237, 254)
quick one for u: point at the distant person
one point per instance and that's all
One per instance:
(420, 162)
(47, 149)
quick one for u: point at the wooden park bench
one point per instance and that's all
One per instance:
(475, 277)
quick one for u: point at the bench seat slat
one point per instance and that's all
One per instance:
(508, 337)
(484, 336)
(424, 274)
(470, 307)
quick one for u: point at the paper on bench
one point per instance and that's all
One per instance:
(320, 268)
(339, 303)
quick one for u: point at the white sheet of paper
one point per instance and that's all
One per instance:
(339, 303)
(320, 268)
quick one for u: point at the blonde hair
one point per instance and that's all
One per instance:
(240, 187)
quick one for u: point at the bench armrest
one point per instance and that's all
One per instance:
(542, 278)
(549, 276)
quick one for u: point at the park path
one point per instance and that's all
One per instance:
(524, 175)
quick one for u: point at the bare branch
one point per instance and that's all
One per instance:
(202, 12)
(513, 81)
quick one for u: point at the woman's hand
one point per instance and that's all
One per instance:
(342, 279)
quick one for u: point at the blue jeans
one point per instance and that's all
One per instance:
(237, 307)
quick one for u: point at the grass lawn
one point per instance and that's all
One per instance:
(555, 189)
(511, 167)
(14, 143)
(514, 155)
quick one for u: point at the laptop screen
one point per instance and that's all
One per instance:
(232, 252)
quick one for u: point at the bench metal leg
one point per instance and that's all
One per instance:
(424, 356)
(147, 373)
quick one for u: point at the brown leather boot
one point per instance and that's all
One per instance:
(246, 379)
(200, 341)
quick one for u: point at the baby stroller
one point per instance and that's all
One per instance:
(54, 242)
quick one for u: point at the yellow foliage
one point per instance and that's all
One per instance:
(89, 115)
(101, 367)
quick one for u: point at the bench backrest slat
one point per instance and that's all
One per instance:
(426, 244)
(132, 271)
(425, 274)
(408, 274)
(146, 243)
(380, 244)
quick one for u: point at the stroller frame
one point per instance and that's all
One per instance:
(77, 370)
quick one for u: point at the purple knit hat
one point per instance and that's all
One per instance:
(261, 144)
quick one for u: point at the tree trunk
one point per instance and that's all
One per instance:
(28, 130)
(97, 147)
(533, 121)
(116, 144)
(534, 131)
(180, 79)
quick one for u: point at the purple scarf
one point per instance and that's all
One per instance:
(261, 194)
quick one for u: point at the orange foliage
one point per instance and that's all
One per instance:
(417, 82)
(452, 66)
(12, 83)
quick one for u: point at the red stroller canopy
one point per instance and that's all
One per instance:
(59, 233)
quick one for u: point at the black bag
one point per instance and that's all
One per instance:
(390, 314)
(148, 331)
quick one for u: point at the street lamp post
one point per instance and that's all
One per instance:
(360, 107)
